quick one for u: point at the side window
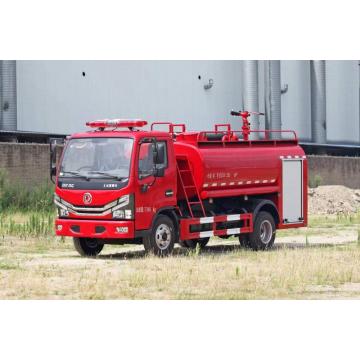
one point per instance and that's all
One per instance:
(146, 160)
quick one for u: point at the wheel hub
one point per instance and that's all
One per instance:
(265, 232)
(91, 243)
(163, 236)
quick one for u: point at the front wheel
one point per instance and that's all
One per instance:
(263, 236)
(87, 246)
(162, 237)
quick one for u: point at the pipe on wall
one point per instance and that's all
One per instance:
(318, 101)
(251, 92)
(8, 95)
(273, 96)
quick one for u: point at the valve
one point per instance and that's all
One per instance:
(246, 124)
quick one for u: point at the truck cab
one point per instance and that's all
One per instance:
(110, 185)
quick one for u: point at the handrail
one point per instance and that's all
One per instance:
(202, 135)
(171, 126)
(228, 127)
(160, 123)
(183, 127)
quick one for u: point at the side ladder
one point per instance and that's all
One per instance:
(187, 182)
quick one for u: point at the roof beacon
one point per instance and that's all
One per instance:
(116, 123)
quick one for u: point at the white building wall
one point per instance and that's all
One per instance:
(296, 102)
(54, 96)
(342, 101)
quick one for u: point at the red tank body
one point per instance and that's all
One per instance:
(235, 168)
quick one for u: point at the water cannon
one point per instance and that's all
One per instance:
(246, 124)
(117, 123)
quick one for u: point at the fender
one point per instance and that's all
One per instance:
(166, 211)
(259, 204)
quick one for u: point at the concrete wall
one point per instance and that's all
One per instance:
(335, 170)
(29, 164)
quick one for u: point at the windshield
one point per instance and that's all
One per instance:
(97, 157)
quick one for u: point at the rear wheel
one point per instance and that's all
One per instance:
(183, 244)
(244, 240)
(263, 236)
(87, 246)
(193, 243)
(162, 237)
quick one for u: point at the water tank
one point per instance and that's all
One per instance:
(239, 167)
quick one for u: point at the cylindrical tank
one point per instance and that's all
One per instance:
(251, 92)
(318, 101)
(8, 98)
(241, 168)
(296, 101)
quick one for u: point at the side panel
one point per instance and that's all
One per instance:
(292, 186)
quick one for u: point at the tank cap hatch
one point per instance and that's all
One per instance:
(116, 123)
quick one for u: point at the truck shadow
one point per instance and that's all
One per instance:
(213, 249)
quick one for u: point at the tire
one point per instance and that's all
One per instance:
(244, 240)
(87, 246)
(193, 243)
(162, 237)
(183, 244)
(263, 236)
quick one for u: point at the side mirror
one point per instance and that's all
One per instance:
(53, 157)
(159, 153)
(53, 171)
(159, 171)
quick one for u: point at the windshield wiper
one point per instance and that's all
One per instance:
(76, 174)
(111, 176)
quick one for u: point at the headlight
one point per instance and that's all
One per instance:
(63, 212)
(123, 201)
(125, 208)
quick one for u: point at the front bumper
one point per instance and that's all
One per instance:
(95, 228)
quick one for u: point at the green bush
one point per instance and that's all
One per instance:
(17, 197)
(37, 224)
(315, 181)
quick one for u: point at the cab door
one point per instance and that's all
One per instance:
(154, 192)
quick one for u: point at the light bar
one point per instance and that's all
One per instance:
(115, 123)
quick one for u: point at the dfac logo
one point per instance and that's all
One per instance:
(87, 198)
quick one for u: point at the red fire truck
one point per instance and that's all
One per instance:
(120, 184)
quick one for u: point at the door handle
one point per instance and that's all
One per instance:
(169, 193)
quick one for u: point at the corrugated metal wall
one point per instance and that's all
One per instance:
(54, 96)
(342, 101)
(296, 101)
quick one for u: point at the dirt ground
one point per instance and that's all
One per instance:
(321, 263)
(333, 199)
(318, 262)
